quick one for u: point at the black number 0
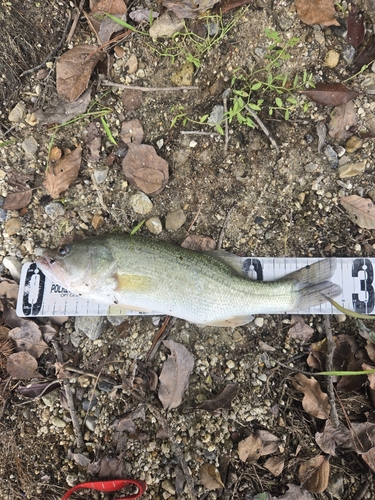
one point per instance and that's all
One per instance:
(364, 306)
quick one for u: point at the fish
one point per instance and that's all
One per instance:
(205, 288)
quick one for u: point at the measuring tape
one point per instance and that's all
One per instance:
(39, 296)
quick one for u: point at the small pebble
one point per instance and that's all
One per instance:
(184, 76)
(332, 59)
(18, 113)
(349, 54)
(131, 64)
(90, 423)
(13, 226)
(340, 318)
(352, 169)
(353, 144)
(175, 220)
(154, 225)
(141, 203)
(166, 26)
(54, 210)
(230, 364)
(193, 144)
(30, 146)
(217, 115)
(13, 265)
(310, 167)
(100, 174)
(57, 422)
(259, 321)
(331, 155)
(97, 221)
(89, 404)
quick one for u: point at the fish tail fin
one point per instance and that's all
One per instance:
(312, 284)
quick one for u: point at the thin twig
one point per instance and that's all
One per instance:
(106, 83)
(198, 132)
(222, 232)
(196, 217)
(70, 400)
(101, 376)
(226, 94)
(75, 22)
(263, 127)
(160, 336)
(176, 450)
(329, 367)
(53, 51)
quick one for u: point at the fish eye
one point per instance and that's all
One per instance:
(63, 250)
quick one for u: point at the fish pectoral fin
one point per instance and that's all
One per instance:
(231, 322)
(132, 283)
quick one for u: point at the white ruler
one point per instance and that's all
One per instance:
(38, 296)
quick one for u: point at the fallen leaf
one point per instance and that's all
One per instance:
(21, 365)
(361, 211)
(28, 338)
(18, 200)
(109, 6)
(356, 27)
(250, 449)
(270, 442)
(275, 465)
(174, 377)
(314, 474)
(142, 15)
(127, 423)
(189, 9)
(369, 458)
(210, 477)
(330, 94)
(79, 458)
(364, 436)
(60, 176)
(333, 436)
(354, 382)
(316, 12)
(132, 99)
(38, 390)
(341, 119)
(145, 169)
(366, 56)
(63, 111)
(299, 329)
(315, 401)
(132, 132)
(108, 468)
(295, 493)
(93, 141)
(199, 243)
(8, 288)
(73, 70)
(223, 400)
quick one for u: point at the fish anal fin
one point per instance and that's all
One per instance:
(132, 283)
(230, 322)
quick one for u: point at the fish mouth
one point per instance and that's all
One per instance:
(45, 265)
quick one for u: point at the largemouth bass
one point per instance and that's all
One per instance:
(204, 288)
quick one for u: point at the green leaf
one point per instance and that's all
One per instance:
(107, 131)
(240, 118)
(279, 102)
(250, 123)
(270, 111)
(287, 114)
(256, 86)
(137, 227)
(254, 107)
(304, 78)
(184, 121)
(292, 100)
(260, 102)
(306, 107)
(272, 35)
(285, 57)
(295, 81)
(219, 129)
(203, 118)
(285, 79)
(122, 23)
(269, 79)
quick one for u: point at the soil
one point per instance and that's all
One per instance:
(279, 208)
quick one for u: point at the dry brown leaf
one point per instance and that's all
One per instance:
(250, 449)
(21, 365)
(199, 243)
(210, 477)
(364, 436)
(62, 111)
(174, 377)
(315, 401)
(295, 493)
(330, 94)
(333, 436)
(316, 12)
(369, 458)
(275, 465)
(132, 132)
(60, 176)
(132, 99)
(145, 169)
(28, 338)
(109, 6)
(270, 442)
(18, 200)
(189, 9)
(73, 70)
(342, 118)
(223, 400)
(314, 474)
(299, 329)
(361, 211)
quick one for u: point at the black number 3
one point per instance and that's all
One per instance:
(363, 269)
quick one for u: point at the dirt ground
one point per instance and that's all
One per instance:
(279, 206)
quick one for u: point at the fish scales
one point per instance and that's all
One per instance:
(152, 275)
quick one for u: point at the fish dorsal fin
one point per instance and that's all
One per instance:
(132, 283)
(229, 259)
